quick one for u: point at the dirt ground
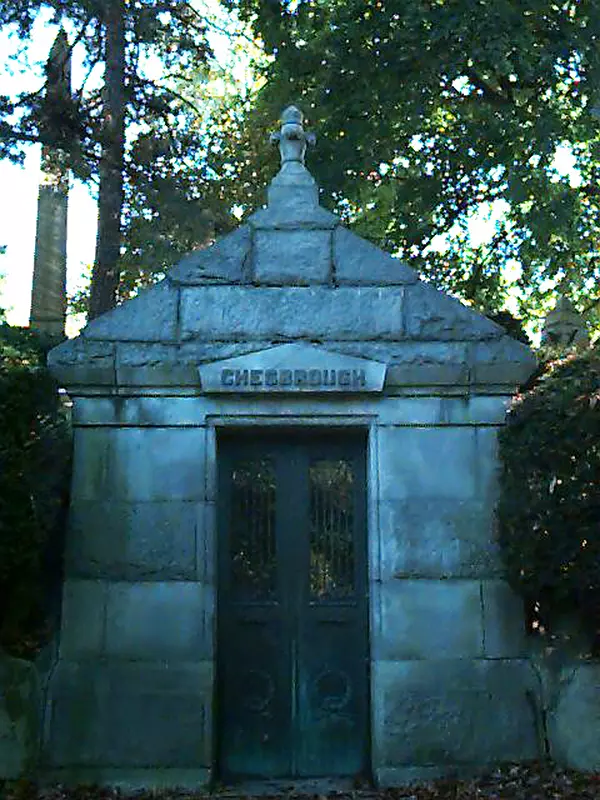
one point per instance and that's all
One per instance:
(540, 781)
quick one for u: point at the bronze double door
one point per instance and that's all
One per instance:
(292, 606)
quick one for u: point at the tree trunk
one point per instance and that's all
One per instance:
(105, 275)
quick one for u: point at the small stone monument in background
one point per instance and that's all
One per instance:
(565, 328)
(48, 293)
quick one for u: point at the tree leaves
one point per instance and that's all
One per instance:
(464, 103)
(550, 492)
(81, 133)
(34, 475)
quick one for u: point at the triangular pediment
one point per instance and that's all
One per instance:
(292, 273)
(291, 369)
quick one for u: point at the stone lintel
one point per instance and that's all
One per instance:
(151, 409)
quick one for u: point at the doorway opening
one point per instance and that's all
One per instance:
(293, 655)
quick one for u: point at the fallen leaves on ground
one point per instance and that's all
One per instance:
(539, 781)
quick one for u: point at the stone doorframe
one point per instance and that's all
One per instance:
(368, 423)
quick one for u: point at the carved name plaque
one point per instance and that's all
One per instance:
(292, 368)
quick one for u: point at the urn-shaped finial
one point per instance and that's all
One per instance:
(291, 137)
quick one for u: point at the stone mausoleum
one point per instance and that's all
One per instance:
(281, 558)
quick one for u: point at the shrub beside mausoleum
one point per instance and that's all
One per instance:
(549, 509)
(34, 474)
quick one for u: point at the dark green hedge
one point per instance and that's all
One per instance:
(34, 474)
(549, 509)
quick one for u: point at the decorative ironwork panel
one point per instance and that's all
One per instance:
(252, 532)
(331, 486)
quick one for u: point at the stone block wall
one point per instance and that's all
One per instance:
(19, 717)
(132, 693)
(570, 701)
(138, 627)
(451, 686)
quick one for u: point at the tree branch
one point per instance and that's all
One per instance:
(491, 94)
(591, 306)
(219, 28)
(180, 97)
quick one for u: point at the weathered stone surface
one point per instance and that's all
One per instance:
(429, 619)
(151, 316)
(224, 262)
(132, 780)
(83, 618)
(488, 464)
(153, 364)
(206, 544)
(197, 352)
(148, 541)
(565, 328)
(412, 461)
(574, 719)
(82, 362)
(152, 411)
(413, 364)
(503, 621)
(291, 369)
(433, 315)
(142, 364)
(19, 717)
(48, 290)
(504, 361)
(453, 712)
(293, 210)
(474, 410)
(157, 412)
(138, 464)
(226, 312)
(406, 353)
(295, 258)
(454, 375)
(356, 261)
(159, 620)
(437, 538)
(293, 192)
(144, 714)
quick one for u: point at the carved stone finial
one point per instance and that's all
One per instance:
(564, 327)
(292, 138)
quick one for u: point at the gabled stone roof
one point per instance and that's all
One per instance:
(291, 273)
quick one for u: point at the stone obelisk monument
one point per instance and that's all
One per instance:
(48, 293)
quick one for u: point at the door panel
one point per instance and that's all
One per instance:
(292, 640)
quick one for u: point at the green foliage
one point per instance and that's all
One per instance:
(549, 508)
(432, 111)
(34, 474)
(170, 202)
